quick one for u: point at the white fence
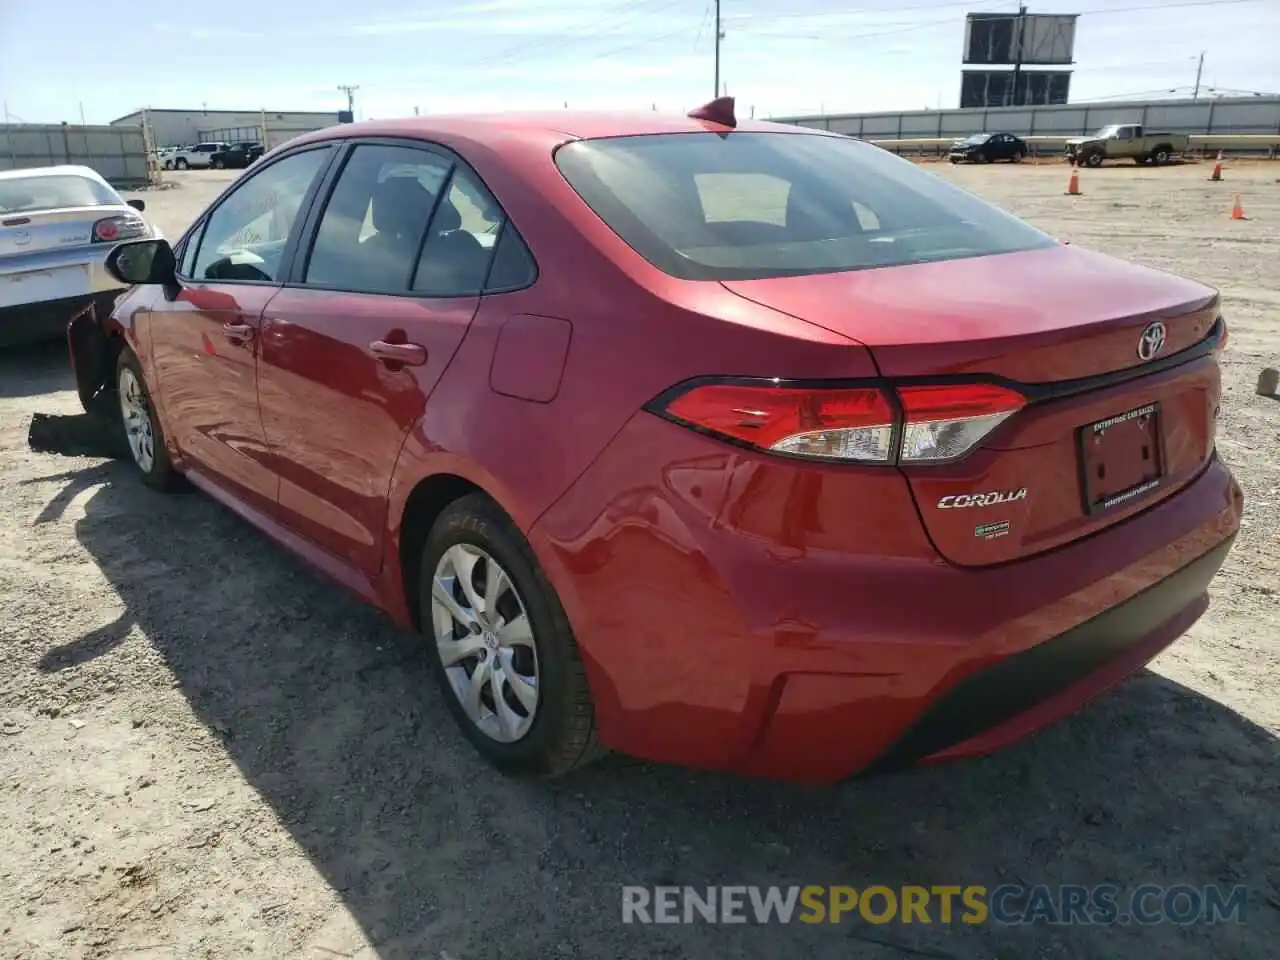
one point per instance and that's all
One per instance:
(1224, 116)
(118, 153)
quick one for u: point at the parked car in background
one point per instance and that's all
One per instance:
(236, 156)
(199, 156)
(729, 444)
(988, 147)
(164, 157)
(57, 225)
(1127, 141)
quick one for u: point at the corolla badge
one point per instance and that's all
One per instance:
(1152, 340)
(961, 500)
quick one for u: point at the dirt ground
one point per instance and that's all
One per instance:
(207, 751)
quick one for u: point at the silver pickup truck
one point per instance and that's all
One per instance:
(1127, 141)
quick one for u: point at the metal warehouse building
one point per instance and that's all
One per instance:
(171, 128)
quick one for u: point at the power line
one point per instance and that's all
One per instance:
(856, 11)
(621, 15)
(632, 13)
(834, 31)
(895, 27)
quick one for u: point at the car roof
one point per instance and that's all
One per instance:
(539, 127)
(62, 170)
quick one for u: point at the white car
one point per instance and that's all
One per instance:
(57, 225)
(197, 157)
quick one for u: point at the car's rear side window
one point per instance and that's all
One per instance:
(706, 206)
(372, 228)
(411, 220)
(52, 192)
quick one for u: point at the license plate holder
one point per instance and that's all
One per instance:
(1121, 458)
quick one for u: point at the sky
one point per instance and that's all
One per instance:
(74, 59)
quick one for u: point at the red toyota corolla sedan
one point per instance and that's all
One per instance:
(740, 446)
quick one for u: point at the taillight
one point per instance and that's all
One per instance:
(945, 422)
(847, 424)
(123, 227)
(915, 424)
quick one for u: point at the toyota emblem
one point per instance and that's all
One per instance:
(1152, 340)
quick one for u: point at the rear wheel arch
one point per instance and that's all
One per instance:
(426, 501)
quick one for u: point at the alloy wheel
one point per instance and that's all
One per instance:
(136, 415)
(485, 640)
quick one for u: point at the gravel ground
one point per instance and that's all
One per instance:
(207, 751)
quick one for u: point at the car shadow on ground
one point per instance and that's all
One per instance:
(34, 369)
(331, 715)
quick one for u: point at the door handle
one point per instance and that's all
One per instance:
(238, 331)
(410, 354)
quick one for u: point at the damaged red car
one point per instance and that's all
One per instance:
(733, 445)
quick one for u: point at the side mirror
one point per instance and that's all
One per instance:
(142, 261)
(138, 205)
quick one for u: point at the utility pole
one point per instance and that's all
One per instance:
(350, 91)
(1017, 57)
(719, 37)
(1199, 70)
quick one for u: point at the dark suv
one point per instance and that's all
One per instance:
(236, 156)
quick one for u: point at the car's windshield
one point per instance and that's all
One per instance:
(705, 206)
(1108, 131)
(977, 138)
(31, 194)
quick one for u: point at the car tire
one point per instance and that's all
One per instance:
(1019, 156)
(168, 164)
(1160, 156)
(559, 732)
(143, 435)
(215, 164)
(1094, 159)
(180, 163)
(979, 157)
(955, 160)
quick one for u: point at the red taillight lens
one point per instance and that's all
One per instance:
(111, 229)
(943, 422)
(839, 423)
(938, 422)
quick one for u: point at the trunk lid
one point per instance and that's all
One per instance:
(1066, 323)
(45, 230)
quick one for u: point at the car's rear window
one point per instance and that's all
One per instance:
(29, 194)
(707, 206)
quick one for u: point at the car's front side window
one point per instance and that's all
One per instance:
(246, 235)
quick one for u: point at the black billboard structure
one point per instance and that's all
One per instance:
(1004, 45)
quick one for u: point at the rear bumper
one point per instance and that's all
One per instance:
(1026, 691)
(741, 612)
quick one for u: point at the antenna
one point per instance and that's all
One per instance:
(719, 110)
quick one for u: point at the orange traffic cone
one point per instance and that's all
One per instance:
(1237, 211)
(1217, 168)
(1073, 185)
